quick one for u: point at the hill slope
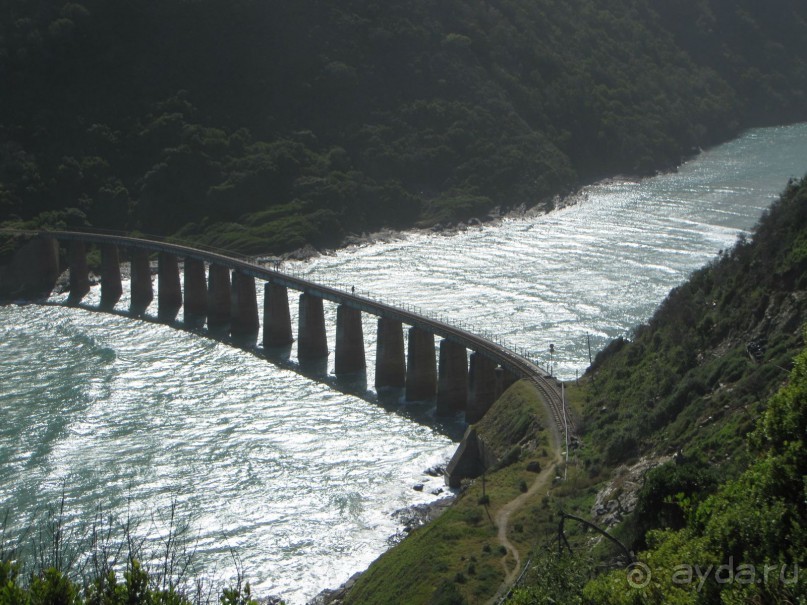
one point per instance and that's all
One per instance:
(680, 444)
(691, 400)
(264, 125)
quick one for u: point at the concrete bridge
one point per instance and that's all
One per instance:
(220, 292)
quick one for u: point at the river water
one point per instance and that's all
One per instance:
(299, 479)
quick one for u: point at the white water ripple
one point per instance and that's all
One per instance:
(300, 479)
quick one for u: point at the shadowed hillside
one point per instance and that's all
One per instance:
(261, 126)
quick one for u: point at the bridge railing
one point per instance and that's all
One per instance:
(157, 239)
(522, 361)
(293, 272)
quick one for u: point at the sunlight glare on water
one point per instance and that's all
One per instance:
(299, 479)
(598, 266)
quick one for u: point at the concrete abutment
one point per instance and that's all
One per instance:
(32, 272)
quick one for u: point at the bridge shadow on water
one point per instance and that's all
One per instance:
(390, 399)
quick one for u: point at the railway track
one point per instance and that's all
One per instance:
(521, 366)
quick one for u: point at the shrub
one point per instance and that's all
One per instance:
(534, 466)
(622, 446)
(473, 517)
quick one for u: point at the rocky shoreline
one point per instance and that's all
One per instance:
(409, 518)
(494, 217)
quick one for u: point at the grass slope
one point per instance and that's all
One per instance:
(458, 556)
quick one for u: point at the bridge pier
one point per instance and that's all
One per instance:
(195, 293)
(32, 272)
(244, 312)
(349, 342)
(452, 381)
(276, 317)
(421, 367)
(142, 289)
(482, 390)
(229, 304)
(111, 289)
(390, 359)
(44, 252)
(79, 274)
(312, 343)
(169, 289)
(218, 299)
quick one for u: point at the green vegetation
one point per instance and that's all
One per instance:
(263, 126)
(514, 423)
(107, 562)
(754, 526)
(702, 380)
(52, 587)
(457, 558)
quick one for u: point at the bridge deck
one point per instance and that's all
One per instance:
(507, 358)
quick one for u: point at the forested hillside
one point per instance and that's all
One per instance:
(691, 400)
(263, 125)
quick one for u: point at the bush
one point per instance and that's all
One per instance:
(52, 571)
(621, 447)
(447, 594)
(534, 466)
(473, 517)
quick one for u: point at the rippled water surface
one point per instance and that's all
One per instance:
(301, 479)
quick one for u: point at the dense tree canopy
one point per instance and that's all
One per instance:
(263, 125)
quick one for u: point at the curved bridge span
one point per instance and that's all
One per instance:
(219, 291)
